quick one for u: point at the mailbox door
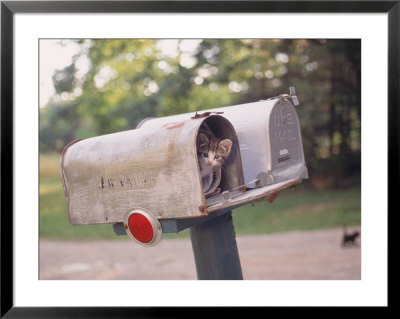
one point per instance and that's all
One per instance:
(287, 157)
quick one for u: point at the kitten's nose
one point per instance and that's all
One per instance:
(209, 162)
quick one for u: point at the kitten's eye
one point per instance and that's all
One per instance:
(205, 154)
(216, 157)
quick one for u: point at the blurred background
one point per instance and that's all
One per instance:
(95, 87)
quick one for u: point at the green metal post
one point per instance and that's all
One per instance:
(215, 250)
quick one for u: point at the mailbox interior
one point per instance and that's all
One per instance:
(232, 172)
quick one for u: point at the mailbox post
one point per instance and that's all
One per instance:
(215, 250)
(147, 181)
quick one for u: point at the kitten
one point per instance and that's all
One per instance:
(211, 153)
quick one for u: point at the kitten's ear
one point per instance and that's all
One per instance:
(225, 146)
(202, 141)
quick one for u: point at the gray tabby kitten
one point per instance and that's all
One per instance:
(211, 153)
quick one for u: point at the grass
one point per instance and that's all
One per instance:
(301, 209)
(298, 209)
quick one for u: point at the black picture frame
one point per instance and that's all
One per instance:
(9, 8)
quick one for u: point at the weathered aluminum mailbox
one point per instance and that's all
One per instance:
(149, 178)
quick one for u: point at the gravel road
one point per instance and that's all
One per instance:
(285, 256)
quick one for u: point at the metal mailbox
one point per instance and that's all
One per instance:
(153, 169)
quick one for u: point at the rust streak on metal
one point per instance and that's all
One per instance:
(177, 125)
(69, 144)
(273, 197)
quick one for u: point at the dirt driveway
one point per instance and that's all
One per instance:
(283, 256)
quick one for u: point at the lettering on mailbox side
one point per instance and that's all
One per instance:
(285, 139)
(127, 182)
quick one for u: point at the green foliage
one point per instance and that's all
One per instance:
(133, 79)
(58, 124)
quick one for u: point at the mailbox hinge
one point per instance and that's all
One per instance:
(292, 95)
(204, 114)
